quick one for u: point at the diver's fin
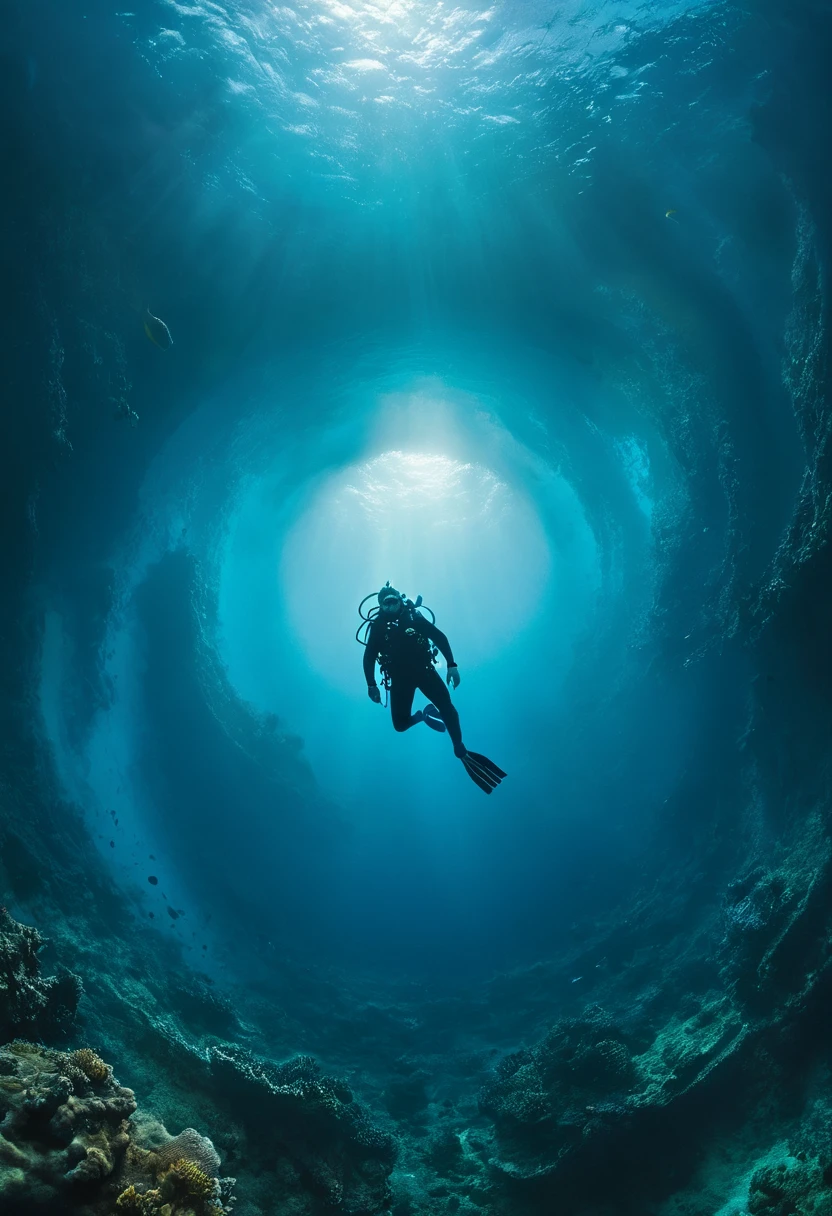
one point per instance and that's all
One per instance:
(482, 771)
(478, 776)
(485, 763)
(432, 718)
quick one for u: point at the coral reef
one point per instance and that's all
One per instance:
(185, 1179)
(59, 1132)
(30, 1004)
(540, 1099)
(597, 1089)
(189, 1146)
(90, 1064)
(68, 1143)
(345, 1159)
(796, 1186)
(182, 1188)
(171, 1175)
(132, 1202)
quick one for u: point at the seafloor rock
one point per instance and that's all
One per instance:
(201, 1006)
(315, 1119)
(68, 1143)
(540, 1099)
(563, 1106)
(28, 1003)
(796, 1186)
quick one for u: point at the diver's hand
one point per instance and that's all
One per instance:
(453, 676)
(374, 693)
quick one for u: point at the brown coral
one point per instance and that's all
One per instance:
(90, 1064)
(74, 1146)
(131, 1202)
(56, 1136)
(135, 1203)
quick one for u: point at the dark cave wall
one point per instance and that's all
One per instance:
(229, 787)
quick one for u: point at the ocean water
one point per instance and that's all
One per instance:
(522, 307)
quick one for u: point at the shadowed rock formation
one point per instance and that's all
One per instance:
(29, 1003)
(342, 1156)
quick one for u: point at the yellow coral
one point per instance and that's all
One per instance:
(188, 1181)
(91, 1065)
(131, 1201)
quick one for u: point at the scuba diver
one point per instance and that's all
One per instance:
(405, 644)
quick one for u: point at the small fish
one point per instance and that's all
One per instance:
(112, 844)
(671, 215)
(173, 914)
(577, 979)
(157, 331)
(153, 880)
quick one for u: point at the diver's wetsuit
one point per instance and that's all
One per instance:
(403, 642)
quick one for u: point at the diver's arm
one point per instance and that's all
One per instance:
(438, 638)
(370, 652)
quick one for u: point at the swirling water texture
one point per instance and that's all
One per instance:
(353, 95)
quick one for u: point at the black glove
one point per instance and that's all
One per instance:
(374, 693)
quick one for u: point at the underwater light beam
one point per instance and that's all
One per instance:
(444, 528)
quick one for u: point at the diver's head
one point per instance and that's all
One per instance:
(390, 600)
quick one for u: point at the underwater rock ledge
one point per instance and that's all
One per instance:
(68, 1137)
(72, 1139)
(727, 1051)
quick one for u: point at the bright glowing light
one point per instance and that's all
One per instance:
(446, 529)
(399, 482)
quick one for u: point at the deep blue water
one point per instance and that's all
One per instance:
(498, 303)
(431, 323)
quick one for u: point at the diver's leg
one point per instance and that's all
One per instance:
(432, 685)
(402, 692)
